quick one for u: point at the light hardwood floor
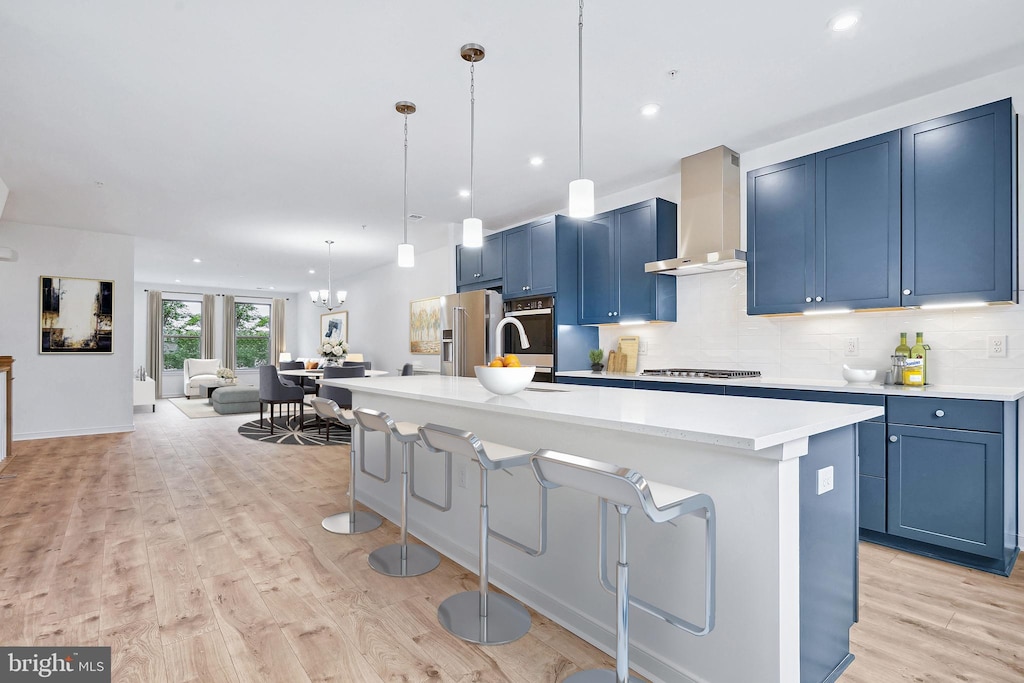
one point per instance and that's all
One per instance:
(199, 557)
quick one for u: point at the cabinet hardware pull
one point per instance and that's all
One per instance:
(906, 291)
(817, 298)
(893, 439)
(940, 413)
(808, 300)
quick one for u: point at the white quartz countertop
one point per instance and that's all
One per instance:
(732, 421)
(931, 390)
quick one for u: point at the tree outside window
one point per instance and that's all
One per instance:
(182, 325)
(252, 335)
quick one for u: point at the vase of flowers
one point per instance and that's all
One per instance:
(226, 375)
(332, 353)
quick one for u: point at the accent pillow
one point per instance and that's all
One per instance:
(312, 365)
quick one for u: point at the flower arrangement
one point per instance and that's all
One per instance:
(333, 350)
(226, 374)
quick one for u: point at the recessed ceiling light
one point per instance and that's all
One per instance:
(464, 194)
(177, 280)
(536, 161)
(195, 260)
(844, 22)
(312, 272)
(650, 109)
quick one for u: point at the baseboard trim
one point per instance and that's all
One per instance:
(62, 433)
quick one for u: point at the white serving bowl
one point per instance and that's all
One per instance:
(505, 381)
(859, 374)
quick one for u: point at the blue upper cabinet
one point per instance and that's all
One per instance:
(857, 224)
(529, 259)
(959, 207)
(613, 248)
(480, 267)
(824, 230)
(780, 237)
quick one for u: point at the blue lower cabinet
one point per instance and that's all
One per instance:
(945, 487)
(872, 503)
(598, 381)
(683, 387)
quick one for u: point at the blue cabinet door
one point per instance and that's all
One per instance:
(945, 487)
(959, 199)
(491, 255)
(597, 269)
(517, 262)
(543, 272)
(467, 265)
(780, 237)
(636, 243)
(857, 224)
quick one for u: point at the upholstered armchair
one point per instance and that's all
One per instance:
(199, 370)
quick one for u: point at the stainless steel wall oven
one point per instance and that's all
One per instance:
(537, 314)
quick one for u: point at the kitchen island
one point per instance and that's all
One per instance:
(786, 562)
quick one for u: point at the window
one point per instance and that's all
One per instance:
(182, 324)
(252, 335)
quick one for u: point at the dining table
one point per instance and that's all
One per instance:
(319, 373)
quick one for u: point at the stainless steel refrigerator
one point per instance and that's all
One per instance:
(468, 321)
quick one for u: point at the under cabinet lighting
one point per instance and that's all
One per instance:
(962, 304)
(829, 311)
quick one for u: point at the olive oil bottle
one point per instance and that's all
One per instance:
(920, 350)
(902, 349)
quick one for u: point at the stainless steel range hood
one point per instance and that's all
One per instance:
(709, 215)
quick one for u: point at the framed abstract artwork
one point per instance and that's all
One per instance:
(76, 315)
(334, 326)
(425, 326)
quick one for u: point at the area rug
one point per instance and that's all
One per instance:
(287, 432)
(197, 407)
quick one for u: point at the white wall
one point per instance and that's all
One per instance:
(174, 380)
(66, 394)
(378, 310)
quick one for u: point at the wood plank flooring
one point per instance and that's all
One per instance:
(199, 557)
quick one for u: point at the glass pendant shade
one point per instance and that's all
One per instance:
(581, 198)
(341, 293)
(314, 295)
(472, 232)
(406, 256)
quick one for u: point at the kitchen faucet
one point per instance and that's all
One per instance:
(523, 341)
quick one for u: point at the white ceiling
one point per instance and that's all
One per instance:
(247, 132)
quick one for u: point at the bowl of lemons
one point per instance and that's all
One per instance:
(505, 375)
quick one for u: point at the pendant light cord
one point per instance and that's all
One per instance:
(472, 135)
(581, 90)
(405, 187)
(330, 284)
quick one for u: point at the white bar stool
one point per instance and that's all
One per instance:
(402, 558)
(480, 616)
(354, 521)
(625, 488)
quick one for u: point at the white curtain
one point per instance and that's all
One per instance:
(277, 344)
(229, 331)
(207, 333)
(155, 339)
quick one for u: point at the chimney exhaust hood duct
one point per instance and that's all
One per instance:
(709, 216)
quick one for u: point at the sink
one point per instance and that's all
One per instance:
(553, 391)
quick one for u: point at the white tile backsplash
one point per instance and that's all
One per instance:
(715, 331)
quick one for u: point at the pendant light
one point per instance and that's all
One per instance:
(581, 190)
(472, 227)
(406, 253)
(323, 298)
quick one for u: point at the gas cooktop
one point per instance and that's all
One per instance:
(696, 372)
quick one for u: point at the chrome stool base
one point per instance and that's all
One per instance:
(343, 523)
(419, 559)
(506, 619)
(598, 676)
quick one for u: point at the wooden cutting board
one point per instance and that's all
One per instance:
(629, 348)
(616, 362)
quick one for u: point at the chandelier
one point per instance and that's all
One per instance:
(322, 298)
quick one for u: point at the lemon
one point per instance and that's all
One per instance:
(512, 361)
(497, 363)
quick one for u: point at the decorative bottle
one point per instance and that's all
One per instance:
(920, 350)
(902, 349)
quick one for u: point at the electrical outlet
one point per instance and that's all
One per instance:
(461, 473)
(997, 346)
(642, 351)
(826, 479)
(852, 346)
